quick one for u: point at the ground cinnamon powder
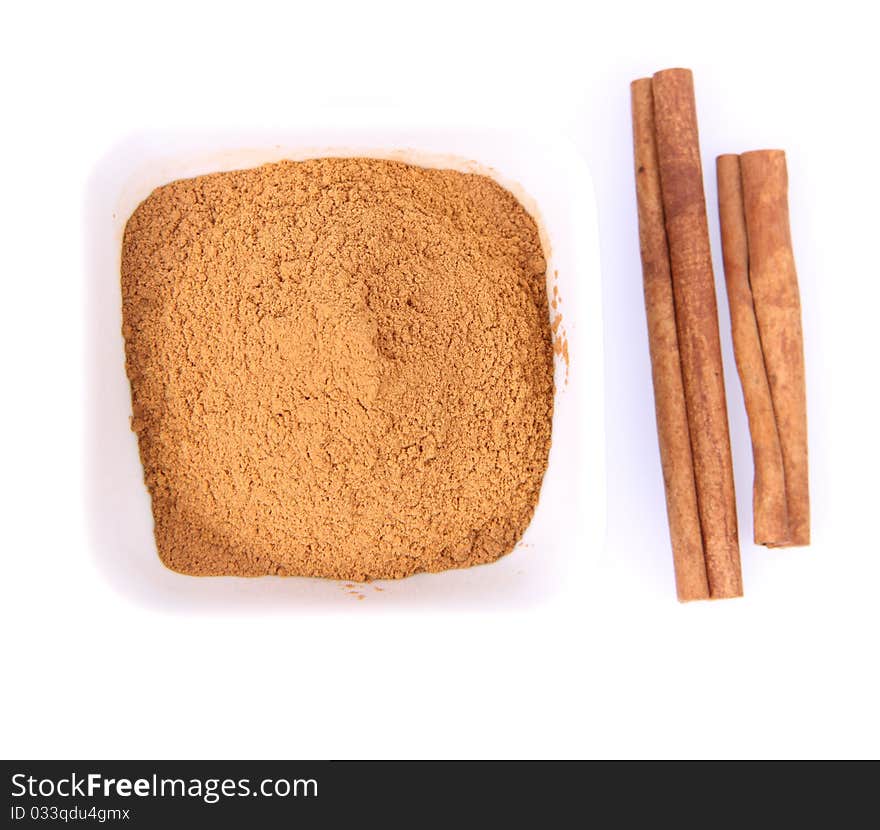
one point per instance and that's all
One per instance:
(339, 368)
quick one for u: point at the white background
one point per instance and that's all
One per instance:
(790, 670)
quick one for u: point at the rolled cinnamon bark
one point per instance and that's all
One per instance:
(773, 279)
(684, 204)
(669, 401)
(768, 493)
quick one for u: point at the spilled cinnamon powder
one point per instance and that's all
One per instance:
(339, 368)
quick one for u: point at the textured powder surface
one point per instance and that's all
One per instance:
(339, 368)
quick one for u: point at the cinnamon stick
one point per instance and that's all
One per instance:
(691, 581)
(768, 494)
(684, 205)
(774, 284)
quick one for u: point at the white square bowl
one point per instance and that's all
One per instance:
(567, 532)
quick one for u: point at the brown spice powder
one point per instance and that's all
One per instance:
(339, 368)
